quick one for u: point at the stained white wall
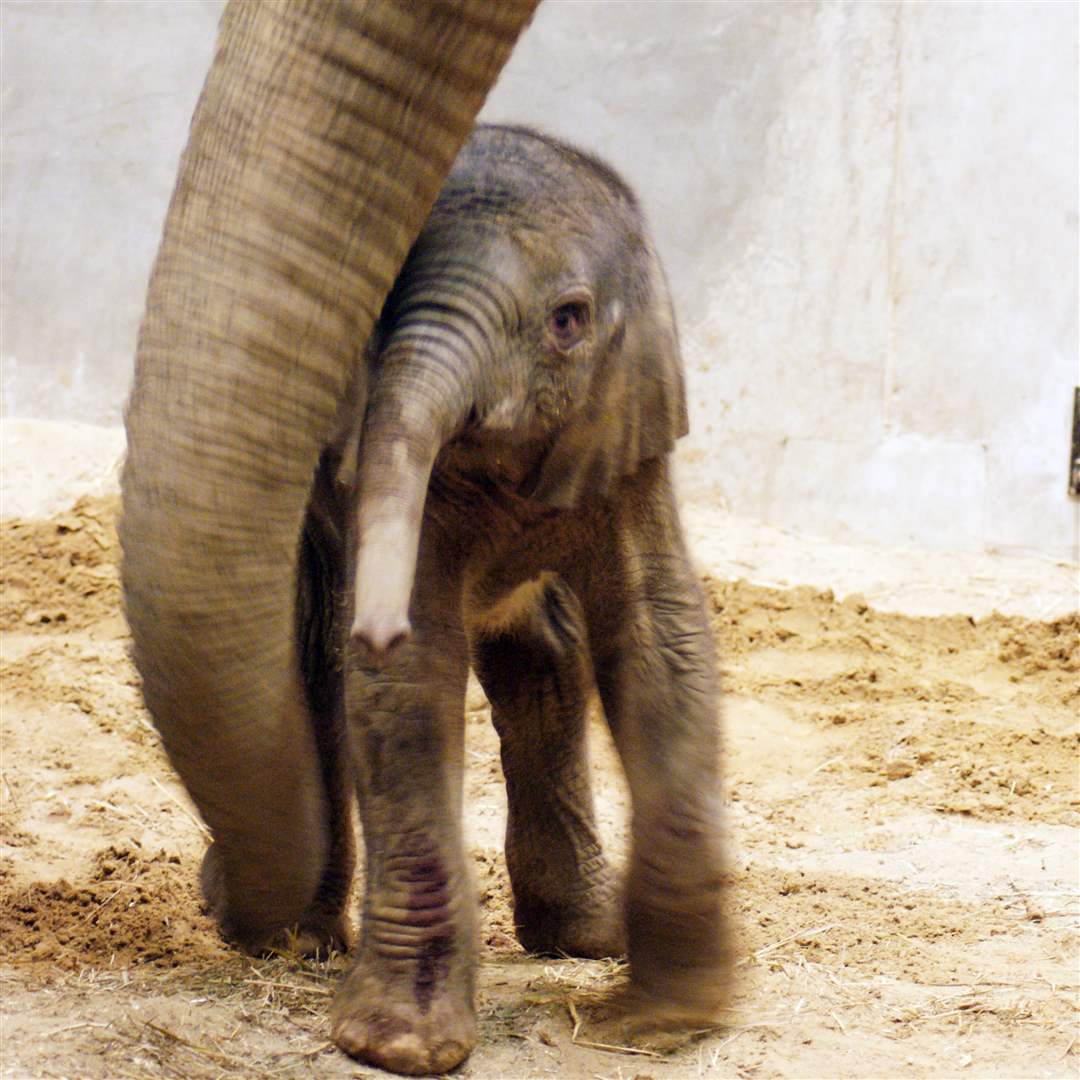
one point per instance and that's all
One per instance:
(868, 211)
(97, 97)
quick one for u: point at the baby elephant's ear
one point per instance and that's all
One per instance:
(636, 407)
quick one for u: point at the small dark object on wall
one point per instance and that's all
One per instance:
(1074, 459)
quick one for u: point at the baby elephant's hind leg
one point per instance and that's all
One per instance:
(535, 674)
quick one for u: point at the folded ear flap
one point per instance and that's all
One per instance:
(635, 410)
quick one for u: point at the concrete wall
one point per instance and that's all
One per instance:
(868, 211)
(96, 103)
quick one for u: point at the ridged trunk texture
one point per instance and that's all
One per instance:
(318, 146)
(425, 388)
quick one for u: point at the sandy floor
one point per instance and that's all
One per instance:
(903, 811)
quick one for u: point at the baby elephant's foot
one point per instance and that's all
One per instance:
(553, 933)
(630, 1017)
(417, 1026)
(588, 925)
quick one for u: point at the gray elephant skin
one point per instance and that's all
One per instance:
(487, 485)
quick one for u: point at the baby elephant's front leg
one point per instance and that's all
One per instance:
(407, 1003)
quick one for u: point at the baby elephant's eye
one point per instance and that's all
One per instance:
(567, 324)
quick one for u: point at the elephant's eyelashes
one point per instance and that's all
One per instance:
(568, 324)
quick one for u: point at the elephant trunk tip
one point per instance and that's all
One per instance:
(385, 565)
(378, 636)
(400, 440)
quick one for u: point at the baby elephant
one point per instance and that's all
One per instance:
(505, 502)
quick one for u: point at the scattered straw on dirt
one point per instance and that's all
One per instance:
(903, 814)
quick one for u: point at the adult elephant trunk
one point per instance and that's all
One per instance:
(321, 138)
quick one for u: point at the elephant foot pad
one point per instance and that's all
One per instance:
(402, 1036)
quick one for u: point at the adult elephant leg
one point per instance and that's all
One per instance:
(406, 1004)
(535, 672)
(320, 141)
(656, 672)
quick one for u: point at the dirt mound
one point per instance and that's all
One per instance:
(902, 814)
(133, 909)
(62, 572)
(976, 717)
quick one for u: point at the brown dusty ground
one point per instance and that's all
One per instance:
(903, 814)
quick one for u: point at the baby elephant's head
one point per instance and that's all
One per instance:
(532, 312)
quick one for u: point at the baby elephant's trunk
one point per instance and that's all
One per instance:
(418, 404)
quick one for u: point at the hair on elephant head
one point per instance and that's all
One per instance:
(531, 324)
